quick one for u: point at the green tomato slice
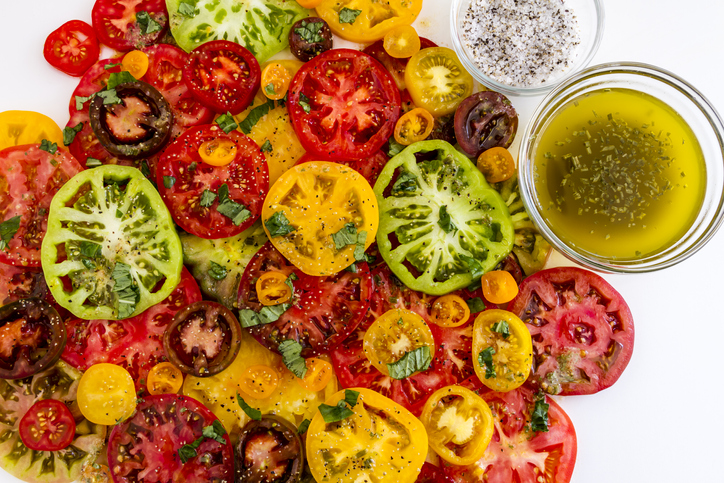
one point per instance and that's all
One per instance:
(441, 224)
(262, 26)
(111, 249)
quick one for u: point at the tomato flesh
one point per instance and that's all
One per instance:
(72, 48)
(118, 25)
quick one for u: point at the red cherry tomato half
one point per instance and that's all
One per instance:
(223, 75)
(72, 48)
(123, 25)
(47, 426)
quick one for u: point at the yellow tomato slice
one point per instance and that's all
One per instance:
(450, 311)
(164, 378)
(499, 286)
(502, 350)
(319, 373)
(415, 125)
(272, 289)
(259, 382)
(496, 164)
(316, 215)
(27, 127)
(402, 42)
(380, 442)
(136, 63)
(106, 394)
(365, 21)
(459, 424)
(218, 152)
(437, 81)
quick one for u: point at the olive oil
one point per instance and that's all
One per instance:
(619, 174)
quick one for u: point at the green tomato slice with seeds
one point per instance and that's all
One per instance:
(111, 249)
(441, 224)
(262, 26)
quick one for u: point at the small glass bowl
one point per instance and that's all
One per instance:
(693, 108)
(590, 16)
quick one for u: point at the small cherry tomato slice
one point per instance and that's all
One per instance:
(203, 339)
(499, 286)
(72, 48)
(502, 350)
(217, 152)
(164, 378)
(47, 426)
(136, 63)
(437, 80)
(275, 81)
(402, 42)
(415, 125)
(271, 289)
(260, 381)
(223, 75)
(459, 424)
(319, 373)
(394, 334)
(485, 120)
(27, 127)
(309, 37)
(496, 164)
(450, 311)
(121, 25)
(269, 451)
(106, 394)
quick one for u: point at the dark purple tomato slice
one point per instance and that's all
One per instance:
(485, 120)
(269, 451)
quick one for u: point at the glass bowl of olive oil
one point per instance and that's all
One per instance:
(622, 168)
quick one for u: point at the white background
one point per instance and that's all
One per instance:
(663, 421)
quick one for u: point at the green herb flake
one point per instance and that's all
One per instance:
(304, 103)
(291, 351)
(227, 123)
(539, 416)
(8, 229)
(147, 23)
(501, 327)
(255, 116)
(117, 78)
(310, 31)
(207, 198)
(110, 66)
(237, 212)
(347, 235)
(444, 220)
(333, 414)
(351, 397)
(359, 249)
(303, 426)
(485, 359)
(169, 181)
(476, 305)
(253, 413)
(69, 133)
(109, 97)
(414, 361)
(79, 101)
(406, 183)
(395, 148)
(476, 270)
(269, 89)
(90, 249)
(188, 451)
(216, 432)
(266, 147)
(92, 162)
(217, 272)
(46, 145)
(278, 225)
(348, 15)
(126, 290)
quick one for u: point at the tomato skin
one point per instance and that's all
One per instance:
(327, 124)
(116, 24)
(72, 48)
(27, 127)
(269, 451)
(369, 168)
(374, 20)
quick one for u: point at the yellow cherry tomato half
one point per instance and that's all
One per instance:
(499, 286)
(272, 289)
(502, 350)
(275, 79)
(217, 152)
(394, 334)
(164, 378)
(401, 42)
(496, 164)
(450, 311)
(437, 81)
(319, 373)
(27, 127)
(136, 63)
(259, 382)
(415, 125)
(106, 394)
(459, 424)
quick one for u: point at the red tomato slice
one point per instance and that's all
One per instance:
(518, 454)
(223, 75)
(370, 167)
(430, 474)
(72, 48)
(145, 447)
(343, 105)
(30, 177)
(118, 26)
(582, 329)
(47, 426)
(182, 187)
(325, 309)
(135, 343)
(20, 283)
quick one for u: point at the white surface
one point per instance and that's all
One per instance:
(663, 421)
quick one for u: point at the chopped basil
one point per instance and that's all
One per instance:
(304, 103)
(148, 25)
(347, 15)
(79, 101)
(347, 235)
(333, 414)
(188, 451)
(502, 328)
(310, 31)
(395, 148)
(445, 221)
(117, 78)
(405, 183)
(227, 123)
(92, 162)
(110, 66)
(539, 416)
(216, 432)
(207, 198)
(255, 115)
(476, 305)
(217, 272)
(187, 9)
(476, 270)
(126, 289)
(359, 249)
(70, 132)
(303, 426)
(414, 361)
(253, 413)
(169, 181)
(269, 89)
(266, 147)
(291, 351)
(230, 208)
(350, 397)
(485, 359)
(267, 315)
(90, 249)
(278, 225)
(8, 229)
(109, 97)
(46, 145)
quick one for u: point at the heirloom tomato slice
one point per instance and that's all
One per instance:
(47, 426)
(321, 216)
(72, 48)
(437, 81)
(380, 437)
(517, 452)
(111, 250)
(322, 312)
(582, 329)
(21, 283)
(29, 177)
(269, 451)
(369, 168)
(365, 21)
(136, 343)
(129, 24)
(17, 397)
(395, 66)
(485, 120)
(106, 394)
(343, 104)
(148, 446)
(441, 225)
(27, 127)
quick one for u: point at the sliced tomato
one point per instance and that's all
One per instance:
(367, 20)
(29, 178)
(582, 330)
(269, 451)
(369, 168)
(47, 426)
(343, 104)
(27, 127)
(324, 311)
(394, 66)
(135, 343)
(72, 48)
(20, 283)
(121, 25)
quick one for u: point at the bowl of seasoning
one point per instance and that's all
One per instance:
(525, 47)
(622, 168)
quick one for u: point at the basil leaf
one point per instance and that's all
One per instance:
(266, 147)
(502, 328)
(255, 115)
(278, 225)
(69, 133)
(539, 416)
(109, 97)
(333, 414)
(8, 229)
(226, 122)
(395, 148)
(110, 66)
(347, 15)
(476, 270)
(79, 101)
(414, 361)
(148, 25)
(126, 290)
(169, 181)
(405, 183)
(188, 451)
(46, 145)
(207, 198)
(304, 103)
(309, 31)
(236, 211)
(269, 89)
(476, 305)
(485, 359)
(303, 426)
(117, 78)
(445, 221)
(347, 235)
(291, 351)
(253, 413)
(216, 431)
(359, 250)
(217, 272)
(90, 249)
(350, 397)
(92, 162)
